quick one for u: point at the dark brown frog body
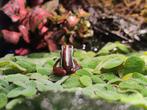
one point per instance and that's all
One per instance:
(66, 64)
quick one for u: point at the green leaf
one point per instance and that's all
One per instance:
(115, 81)
(96, 79)
(30, 67)
(130, 84)
(113, 62)
(108, 76)
(13, 103)
(45, 85)
(81, 55)
(82, 72)
(38, 55)
(90, 62)
(90, 90)
(106, 58)
(85, 81)
(123, 48)
(107, 48)
(116, 47)
(3, 100)
(72, 81)
(30, 90)
(44, 70)
(127, 76)
(109, 95)
(54, 78)
(4, 83)
(139, 76)
(3, 62)
(62, 80)
(17, 66)
(38, 76)
(15, 92)
(135, 98)
(133, 64)
(17, 79)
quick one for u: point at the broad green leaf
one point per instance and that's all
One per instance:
(144, 91)
(130, 84)
(140, 76)
(45, 85)
(41, 87)
(17, 66)
(133, 64)
(30, 90)
(108, 76)
(15, 92)
(90, 62)
(83, 72)
(113, 62)
(90, 90)
(72, 81)
(108, 58)
(107, 48)
(96, 79)
(44, 70)
(4, 83)
(107, 94)
(135, 98)
(13, 103)
(17, 79)
(115, 81)
(38, 76)
(30, 67)
(62, 80)
(114, 48)
(86, 80)
(123, 48)
(3, 62)
(127, 76)
(54, 78)
(3, 100)
(38, 55)
(81, 55)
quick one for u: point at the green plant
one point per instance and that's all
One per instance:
(111, 77)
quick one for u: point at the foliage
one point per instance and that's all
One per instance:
(112, 77)
(42, 24)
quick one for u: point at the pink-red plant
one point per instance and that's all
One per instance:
(43, 23)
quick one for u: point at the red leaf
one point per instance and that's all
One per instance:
(51, 43)
(15, 9)
(22, 51)
(35, 17)
(25, 33)
(11, 36)
(42, 44)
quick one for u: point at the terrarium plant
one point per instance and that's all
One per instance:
(42, 24)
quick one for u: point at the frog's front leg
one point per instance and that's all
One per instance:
(58, 69)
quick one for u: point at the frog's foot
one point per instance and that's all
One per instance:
(59, 71)
(76, 67)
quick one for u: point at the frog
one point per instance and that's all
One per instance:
(66, 64)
